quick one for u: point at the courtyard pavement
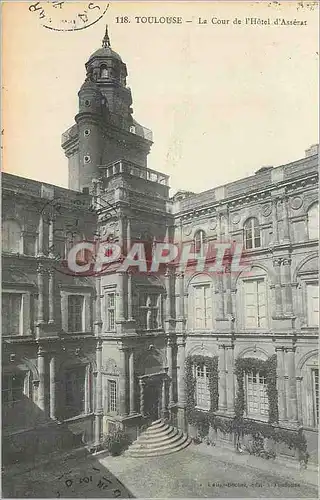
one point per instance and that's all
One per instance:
(210, 472)
(195, 472)
(71, 475)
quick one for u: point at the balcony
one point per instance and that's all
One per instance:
(69, 134)
(129, 168)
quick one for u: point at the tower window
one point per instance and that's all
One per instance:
(104, 72)
(87, 159)
(87, 132)
(87, 102)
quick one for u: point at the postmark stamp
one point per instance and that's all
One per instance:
(68, 16)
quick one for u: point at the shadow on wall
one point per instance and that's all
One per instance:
(27, 432)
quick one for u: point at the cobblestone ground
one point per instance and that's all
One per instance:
(67, 476)
(196, 473)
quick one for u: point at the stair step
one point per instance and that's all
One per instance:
(159, 443)
(159, 452)
(160, 438)
(146, 438)
(157, 430)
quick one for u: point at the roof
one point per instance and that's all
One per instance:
(105, 52)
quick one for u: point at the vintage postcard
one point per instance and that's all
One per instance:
(160, 230)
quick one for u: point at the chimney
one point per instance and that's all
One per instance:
(312, 150)
(263, 169)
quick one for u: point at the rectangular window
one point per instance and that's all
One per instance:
(203, 307)
(202, 394)
(13, 388)
(75, 313)
(255, 304)
(111, 311)
(112, 396)
(12, 314)
(315, 395)
(75, 383)
(313, 304)
(150, 311)
(256, 395)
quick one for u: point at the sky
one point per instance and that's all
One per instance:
(222, 100)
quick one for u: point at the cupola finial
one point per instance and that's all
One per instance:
(106, 39)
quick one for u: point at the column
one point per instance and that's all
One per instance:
(277, 288)
(41, 371)
(275, 234)
(281, 387)
(163, 398)
(180, 277)
(40, 279)
(121, 234)
(228, 289)
(40, 236)
(120, 297)
(52, 377)
(287, 286)
(141, 386)
(98, 406)
(51, 296)
(130, 305)
(230, 379)
(222, 379)
(299, 399)
(181, 363)
(128, 235)
(170, 369)
(131, 383)
(123, 382)
(286, 228)
(98, 320)
(51, 236)
(167, 282)
(292, 386)
(220, 296)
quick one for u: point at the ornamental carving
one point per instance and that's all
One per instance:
(235, 218)
(266, 209)
(213, 223)
(187, 230)
(296, 202)
(111, 367)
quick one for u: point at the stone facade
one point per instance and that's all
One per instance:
(91, 352)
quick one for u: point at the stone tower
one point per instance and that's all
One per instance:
(105, 130)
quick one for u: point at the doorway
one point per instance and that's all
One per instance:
(152, 400)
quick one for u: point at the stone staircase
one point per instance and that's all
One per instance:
(159, 439)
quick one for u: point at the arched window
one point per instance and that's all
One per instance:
(11, 236)
(104, 72)
(199, 241)
(313, 221)
(252, 234)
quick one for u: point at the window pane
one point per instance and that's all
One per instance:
(75, 391)
(75, 313)
(313, 304)
(202, 393)
(11, 313)
(257, 397)
(313, 221)
(315, 381)
(112, 396)
(11, 236)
